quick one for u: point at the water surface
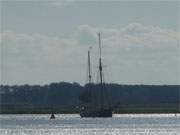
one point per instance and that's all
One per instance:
(66, 124)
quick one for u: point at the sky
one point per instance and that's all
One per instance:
(47, 41)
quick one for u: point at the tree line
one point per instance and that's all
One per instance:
(69, 97)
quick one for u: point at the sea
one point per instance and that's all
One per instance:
(73, 124)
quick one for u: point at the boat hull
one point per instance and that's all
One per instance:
(98, 113)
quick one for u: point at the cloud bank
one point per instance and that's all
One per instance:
(134, 54)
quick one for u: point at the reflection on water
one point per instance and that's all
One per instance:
(138, 124)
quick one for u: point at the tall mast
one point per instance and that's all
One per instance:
(100, 72)
(100, 63)
(99, 36)
(89, 67)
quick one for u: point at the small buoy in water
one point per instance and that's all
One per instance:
(52, 116)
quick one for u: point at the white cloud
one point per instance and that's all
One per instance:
(133, 54)
(86, 35)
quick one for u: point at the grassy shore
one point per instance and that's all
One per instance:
(29, 109)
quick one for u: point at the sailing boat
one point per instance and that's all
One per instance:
(98, 105)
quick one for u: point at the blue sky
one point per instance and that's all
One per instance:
(62, 18)
(47, 41)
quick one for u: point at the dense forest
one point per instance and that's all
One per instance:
(66, 97)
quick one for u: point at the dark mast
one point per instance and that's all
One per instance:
(100, 72)
(89, 87)
(89, 66)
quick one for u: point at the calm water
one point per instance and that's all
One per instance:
(139, 124)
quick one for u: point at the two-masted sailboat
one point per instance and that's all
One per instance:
(98, 104)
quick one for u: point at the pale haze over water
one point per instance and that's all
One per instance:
(126, 124)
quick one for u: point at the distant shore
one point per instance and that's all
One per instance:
(25, 109)
(67, 98)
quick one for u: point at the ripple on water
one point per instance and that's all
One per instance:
(65, 124)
